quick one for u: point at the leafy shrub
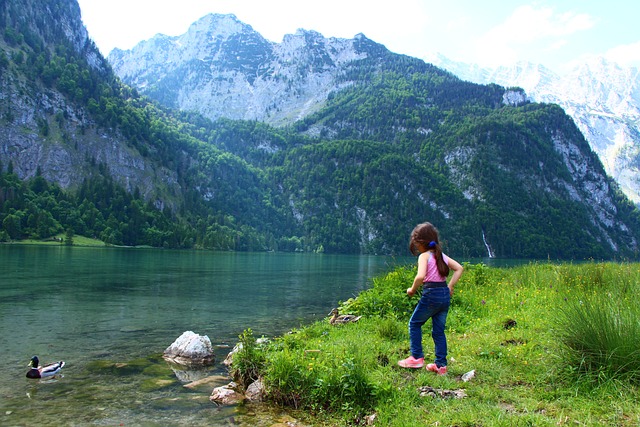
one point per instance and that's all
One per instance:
(249, 361)
(479, 274)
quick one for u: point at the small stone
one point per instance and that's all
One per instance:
(226, 395)
(255, 391)
(468, 375)
(444, 394)
(229, 359)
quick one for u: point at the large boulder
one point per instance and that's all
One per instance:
(190, 349)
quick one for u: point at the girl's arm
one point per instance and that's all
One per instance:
(420, 275)
(457, 272)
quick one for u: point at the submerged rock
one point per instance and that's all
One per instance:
(189, 373)
(190, 349)
(208, 381)
(154, 384)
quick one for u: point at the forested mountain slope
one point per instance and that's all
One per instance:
(383, 142)
(602, 97)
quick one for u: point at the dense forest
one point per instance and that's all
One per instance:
(405, 143)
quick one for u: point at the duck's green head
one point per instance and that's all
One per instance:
(35, 362)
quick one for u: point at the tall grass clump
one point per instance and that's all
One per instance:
(309, 370)
(600, 326)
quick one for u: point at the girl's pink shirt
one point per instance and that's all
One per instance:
(433, 275)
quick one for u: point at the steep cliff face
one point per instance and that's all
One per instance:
(43, 130)
(49, 22)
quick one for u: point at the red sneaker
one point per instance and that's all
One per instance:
(412, 362)
(442, 370)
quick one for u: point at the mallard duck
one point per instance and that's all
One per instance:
(337, 319)
(38, 371)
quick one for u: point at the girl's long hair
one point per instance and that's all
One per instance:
(427, 235)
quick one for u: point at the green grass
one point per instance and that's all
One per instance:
(551, 345)
(58, 240)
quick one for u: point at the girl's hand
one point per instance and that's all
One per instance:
(410, 292)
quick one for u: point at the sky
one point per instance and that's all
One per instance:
(558, 34)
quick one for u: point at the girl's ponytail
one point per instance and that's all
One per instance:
(443, 267)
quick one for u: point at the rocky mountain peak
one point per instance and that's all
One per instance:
(219, 25)
(222, 68)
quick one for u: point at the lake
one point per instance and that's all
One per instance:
(109, 313)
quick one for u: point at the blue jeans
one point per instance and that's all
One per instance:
(433, 304)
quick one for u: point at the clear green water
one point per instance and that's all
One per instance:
(110, 313)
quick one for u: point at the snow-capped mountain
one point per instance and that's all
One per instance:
(222, 67)
(602, 97)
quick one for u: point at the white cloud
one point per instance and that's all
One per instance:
(529, 28)
(628, 54)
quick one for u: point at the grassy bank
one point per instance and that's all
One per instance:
(59, 240)
(550, 345)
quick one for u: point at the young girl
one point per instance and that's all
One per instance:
(433, 269)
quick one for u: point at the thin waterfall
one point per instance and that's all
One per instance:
(486, 245)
